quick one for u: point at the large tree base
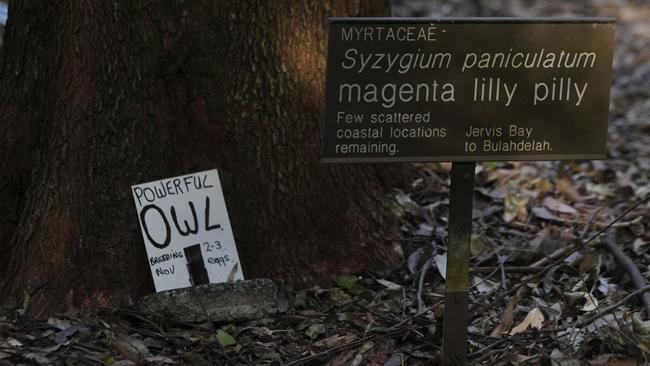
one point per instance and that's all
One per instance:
(114, 94)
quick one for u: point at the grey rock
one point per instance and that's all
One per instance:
(230, 301)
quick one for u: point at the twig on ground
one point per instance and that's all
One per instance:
(634, 221)
(555, 255)
(423, 273)
(316, 356)
(504, 282)
(507, 340)
(560, 260)
(507, 269)
(603, 312)
(590, 220)
(399, 325)
(630, 267)
(559, 252)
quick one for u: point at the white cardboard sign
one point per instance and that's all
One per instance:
(186, 231)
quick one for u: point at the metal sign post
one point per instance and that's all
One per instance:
(456, 318)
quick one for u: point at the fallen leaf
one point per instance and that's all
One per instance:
(315, 330)
(574, 258)
(534, 319)
(123, 363)
(520, 359)
(600, 190)
(489, 165)
(38, 357)
(414, 260)
(476, 245)
(389, 285)
(515, 207)
(506, 319)
(566, 187)
(13, 342)
(591, 303)
(604, 286)
(441, 264)
(62, 336)
(535, 245)
(485, 286)
(397, 359)
(557, 206)
(352, 318)
(500, 192)
(638, 246)
(342, 359)
(588, 262)
(224, 338)
(640, 327)
(625, 179)
(559, 359)
(338, 295)
(629, 361)
(407, 203)
(543, 213)
(160, 360)
(541, 185)
(424, 229)
(349, 283)
(421, 354)
(130, 347)
(335, 340)
(574, 297)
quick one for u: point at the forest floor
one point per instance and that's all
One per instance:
(550, 284)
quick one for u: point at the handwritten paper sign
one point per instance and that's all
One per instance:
(467, 89)
(186, 231)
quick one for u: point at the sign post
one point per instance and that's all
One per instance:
(466, 90)
(461, 194)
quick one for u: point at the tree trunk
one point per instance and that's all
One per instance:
(96, 96)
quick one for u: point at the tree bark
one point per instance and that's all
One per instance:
(97, 96)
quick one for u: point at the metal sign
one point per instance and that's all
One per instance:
(186, 231)
(467, 89)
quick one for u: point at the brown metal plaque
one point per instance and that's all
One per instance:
(467, 89)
